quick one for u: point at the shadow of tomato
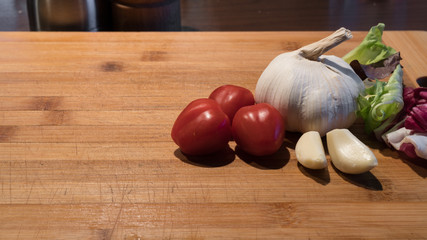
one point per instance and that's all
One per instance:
(275, 161)
(219, 159)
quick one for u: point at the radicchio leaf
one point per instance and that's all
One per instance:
(420, 94)
(408, 149)
(405, 140)
(409, 134)
(417, 119)
(416, 108)
(408, 99)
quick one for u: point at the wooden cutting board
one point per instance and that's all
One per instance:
(86, 152)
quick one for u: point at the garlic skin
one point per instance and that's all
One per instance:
(313, 92)
(348, 153)
(309, 151)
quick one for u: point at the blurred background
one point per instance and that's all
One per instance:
(256, 15)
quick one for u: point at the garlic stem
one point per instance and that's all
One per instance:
(315, 50)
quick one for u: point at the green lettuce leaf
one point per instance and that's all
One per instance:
(371, 49)
(381, 101)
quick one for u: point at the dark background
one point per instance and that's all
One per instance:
(272, 15)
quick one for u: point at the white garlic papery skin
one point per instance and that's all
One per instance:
(312, 92)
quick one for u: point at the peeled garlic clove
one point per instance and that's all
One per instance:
(309, 151)
(348, 153)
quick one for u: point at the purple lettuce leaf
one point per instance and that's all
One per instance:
(378, 70)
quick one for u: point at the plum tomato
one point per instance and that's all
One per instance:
(202, 128)
(231, 98)
(258, 129)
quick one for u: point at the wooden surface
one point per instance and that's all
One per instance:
(271, 15)
(86, 152)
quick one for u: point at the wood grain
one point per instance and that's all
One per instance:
(86, 153)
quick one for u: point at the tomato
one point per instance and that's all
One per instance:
(258, 129)
(231, 98)
(202, 128)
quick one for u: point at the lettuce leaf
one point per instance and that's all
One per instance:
(381, 101)
(371, 49)
(413, 116)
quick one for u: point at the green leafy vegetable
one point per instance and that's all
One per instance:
(371, 49)
(381, 101)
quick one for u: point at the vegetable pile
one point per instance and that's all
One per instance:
(317, 95)
(397, 115)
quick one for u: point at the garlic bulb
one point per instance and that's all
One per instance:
(311, 91)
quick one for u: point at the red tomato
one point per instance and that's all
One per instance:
(258, 129)
(231, 98)
(202, 128)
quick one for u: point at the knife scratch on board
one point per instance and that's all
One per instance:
(53, 196)
(112, 193)
(117, 218)
(26, 171)
(10, 180)
(151, 199)
(29, 194)
(100, 189)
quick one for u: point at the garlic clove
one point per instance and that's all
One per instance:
(309, 151)
(348, 153)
